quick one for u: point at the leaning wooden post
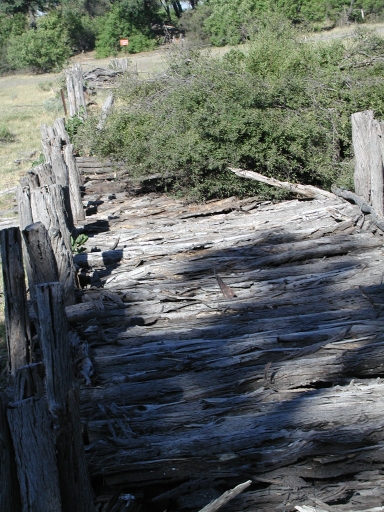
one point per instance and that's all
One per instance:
(17, 325)
(76, 491)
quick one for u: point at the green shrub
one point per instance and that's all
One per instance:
(283, 109)
(43, 49)
(129, 19)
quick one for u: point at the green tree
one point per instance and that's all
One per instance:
(127, 18)
(41, 49)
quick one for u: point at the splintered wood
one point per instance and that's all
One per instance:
(234, 341)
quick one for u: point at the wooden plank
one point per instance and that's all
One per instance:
(76, 491)
(41, 259)
(17, 326)
(30, 421)
(361, 129)
(9, 484)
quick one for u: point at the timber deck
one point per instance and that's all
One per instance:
(195, 391)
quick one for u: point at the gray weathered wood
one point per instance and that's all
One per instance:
(41, 256)
(17, 327)
(70, 93)
(53, 335)
(59, 126)
(105, 110)
(361, 129)
(23, 198)
(48, 207)
(74, 184)
(9, 485)
(226, 497)
(75, 90)
(377, 166)
(76, 492)
(30, 424)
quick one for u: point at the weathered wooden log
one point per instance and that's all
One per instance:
(368, 145)
(41, 257)
(75, 90)
(17, 327)
(71, 93)
(226, 497)
(60, 171)
(361, 122)
(377, 219)
(59, 126)
(74, 184)
(23, 198)
(45, 174)
(30, 424)
(48, 207)
(105, 109)
(46, 143)
(76, 491)
(9, 484)
(304, 190)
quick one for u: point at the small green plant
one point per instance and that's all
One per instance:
(5, 134)
(77, 244)
(72, 125)
(39, 160)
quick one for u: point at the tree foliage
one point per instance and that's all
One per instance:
(282, 109)
(127, 19)
(41, 49)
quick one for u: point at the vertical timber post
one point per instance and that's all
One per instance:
(16, 309)
(75, 487)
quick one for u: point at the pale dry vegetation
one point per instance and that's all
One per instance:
(26, 102)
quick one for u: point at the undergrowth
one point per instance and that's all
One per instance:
(282, 109)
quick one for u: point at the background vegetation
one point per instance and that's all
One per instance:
(40, 35)
(281, 108)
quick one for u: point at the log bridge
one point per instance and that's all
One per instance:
(212, 344)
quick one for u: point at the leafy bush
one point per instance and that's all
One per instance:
(43, 49)
(129, 19)
(283, 109)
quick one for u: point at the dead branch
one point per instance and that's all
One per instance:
(227, 496)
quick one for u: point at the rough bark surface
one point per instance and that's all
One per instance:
(197, 389)
(76, 492)
(9, 485)
(18, 334)
(33, 438)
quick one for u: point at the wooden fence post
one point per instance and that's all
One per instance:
(76, 491)
(38, 476)
(75, 90)
(16, 310)
(368, 145)
(41, 258)
(9, 485)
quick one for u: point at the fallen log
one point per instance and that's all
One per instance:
(307, 191)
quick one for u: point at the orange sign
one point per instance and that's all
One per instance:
(124, 42)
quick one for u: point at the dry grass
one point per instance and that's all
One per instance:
(26, 102)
